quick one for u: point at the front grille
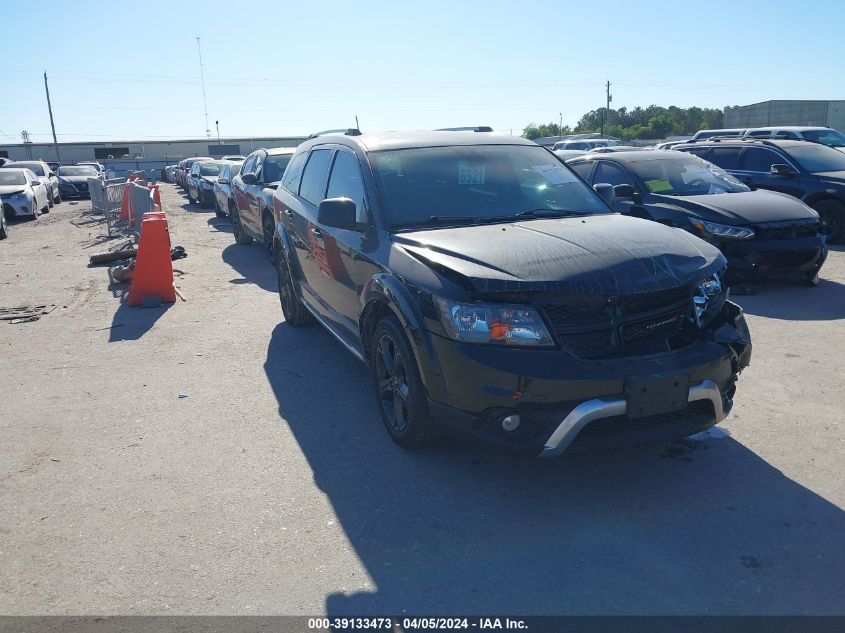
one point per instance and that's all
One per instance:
(787, 259)
(788, 230)
(593, 326)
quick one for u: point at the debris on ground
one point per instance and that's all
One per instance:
(122, 274)
(25, 314)
(177, 252)
(113, 256)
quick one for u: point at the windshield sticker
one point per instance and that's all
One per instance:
(555, 174)
(656, 186)
(715, 189)
(470, 173)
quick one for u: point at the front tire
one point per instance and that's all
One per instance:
(400, 394)
(295, 312)
(217, 210)
(832, 213)
(237, 228)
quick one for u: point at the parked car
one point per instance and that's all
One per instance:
(585, 144)
(762, 233)
(705, 134)
(184, 168)
(45, 175)
(824, 135)
(234, 157)
(811, 172)
(200, 181)
(4, 160)
(23, 194)
(566, 154)
(490, 290)
(252, 190)
(223, 199)
(98, 166)
(169, 173)
(73, 180)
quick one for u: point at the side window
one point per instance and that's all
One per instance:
(698, 151)
(259, 163)
(224, 173)
(293, 172)
(760, 133)
(583, 170)
(346, 182)
(248, 165)
(759, 159)
(725, 157)
(786, 134)
(612, 174)
(314, 177)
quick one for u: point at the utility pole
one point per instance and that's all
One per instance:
(607, 109)
(217, 123)
(52, 125)
(202, 80)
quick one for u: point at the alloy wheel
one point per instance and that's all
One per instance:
(394, 391)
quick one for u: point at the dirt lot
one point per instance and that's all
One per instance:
(272, 487)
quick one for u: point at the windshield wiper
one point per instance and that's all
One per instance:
(543, 213)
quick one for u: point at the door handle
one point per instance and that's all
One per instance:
(316, 232)
(289, 213)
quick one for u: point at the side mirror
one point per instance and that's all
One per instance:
(782, 169)
(624, 191)
(340, 213)
(249, 179)
(223, 181)
(606, 191)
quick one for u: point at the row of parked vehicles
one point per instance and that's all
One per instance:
(30, 188)
(494, 288)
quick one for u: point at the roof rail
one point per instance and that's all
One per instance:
(471, 128)
(344, 131)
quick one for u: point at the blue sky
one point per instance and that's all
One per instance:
(290, 68)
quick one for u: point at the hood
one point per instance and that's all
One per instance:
(745, 207)
(209, 179)
(603, 254)
(76, 179)
(8, 189)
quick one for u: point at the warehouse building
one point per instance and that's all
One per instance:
(164, 152)
(787, 112)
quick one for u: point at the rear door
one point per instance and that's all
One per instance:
(239, 190)
(251, 211)
(308, 240)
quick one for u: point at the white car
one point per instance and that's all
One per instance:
(585, 144)
(45, 175)
(824, 135)
(22, 194)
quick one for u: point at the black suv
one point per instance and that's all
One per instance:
(762, 233)
(490, 290)
(813, 172)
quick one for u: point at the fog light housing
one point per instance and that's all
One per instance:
(511, 423)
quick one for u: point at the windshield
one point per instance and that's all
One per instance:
(684, 175)
(12, 177)
(478, 183)
(35, 167)
(274, 167)
(85, 170)
(817, 158)
(209, 169)
(826, 137)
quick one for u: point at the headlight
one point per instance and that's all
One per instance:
(709, 298)
(486, 323)
(723, 230)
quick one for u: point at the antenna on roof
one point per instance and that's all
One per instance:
(357, 125)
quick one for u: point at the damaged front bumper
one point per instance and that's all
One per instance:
(562, 401)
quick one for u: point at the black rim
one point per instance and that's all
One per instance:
(236, 223)
(394, 391)
(285, 287)
(832, 221)
(268, 236)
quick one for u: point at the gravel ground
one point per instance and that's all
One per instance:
(273, 489)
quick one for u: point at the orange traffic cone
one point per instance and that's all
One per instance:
(126, 203)
(155, 194)
(153, 278)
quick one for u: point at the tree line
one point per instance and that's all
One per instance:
(653, 122)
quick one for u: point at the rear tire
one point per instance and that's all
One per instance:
(399, 391)
(217, 210)
(190, 198)
(3, 233)
(237, 228)
(268, 228)
(295, 312)
(832, 213)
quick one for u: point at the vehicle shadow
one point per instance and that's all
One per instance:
(699, 527)
(797, 303)
(222, 225)
(252, 264)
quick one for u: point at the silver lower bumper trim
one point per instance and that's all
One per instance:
(598, 408)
